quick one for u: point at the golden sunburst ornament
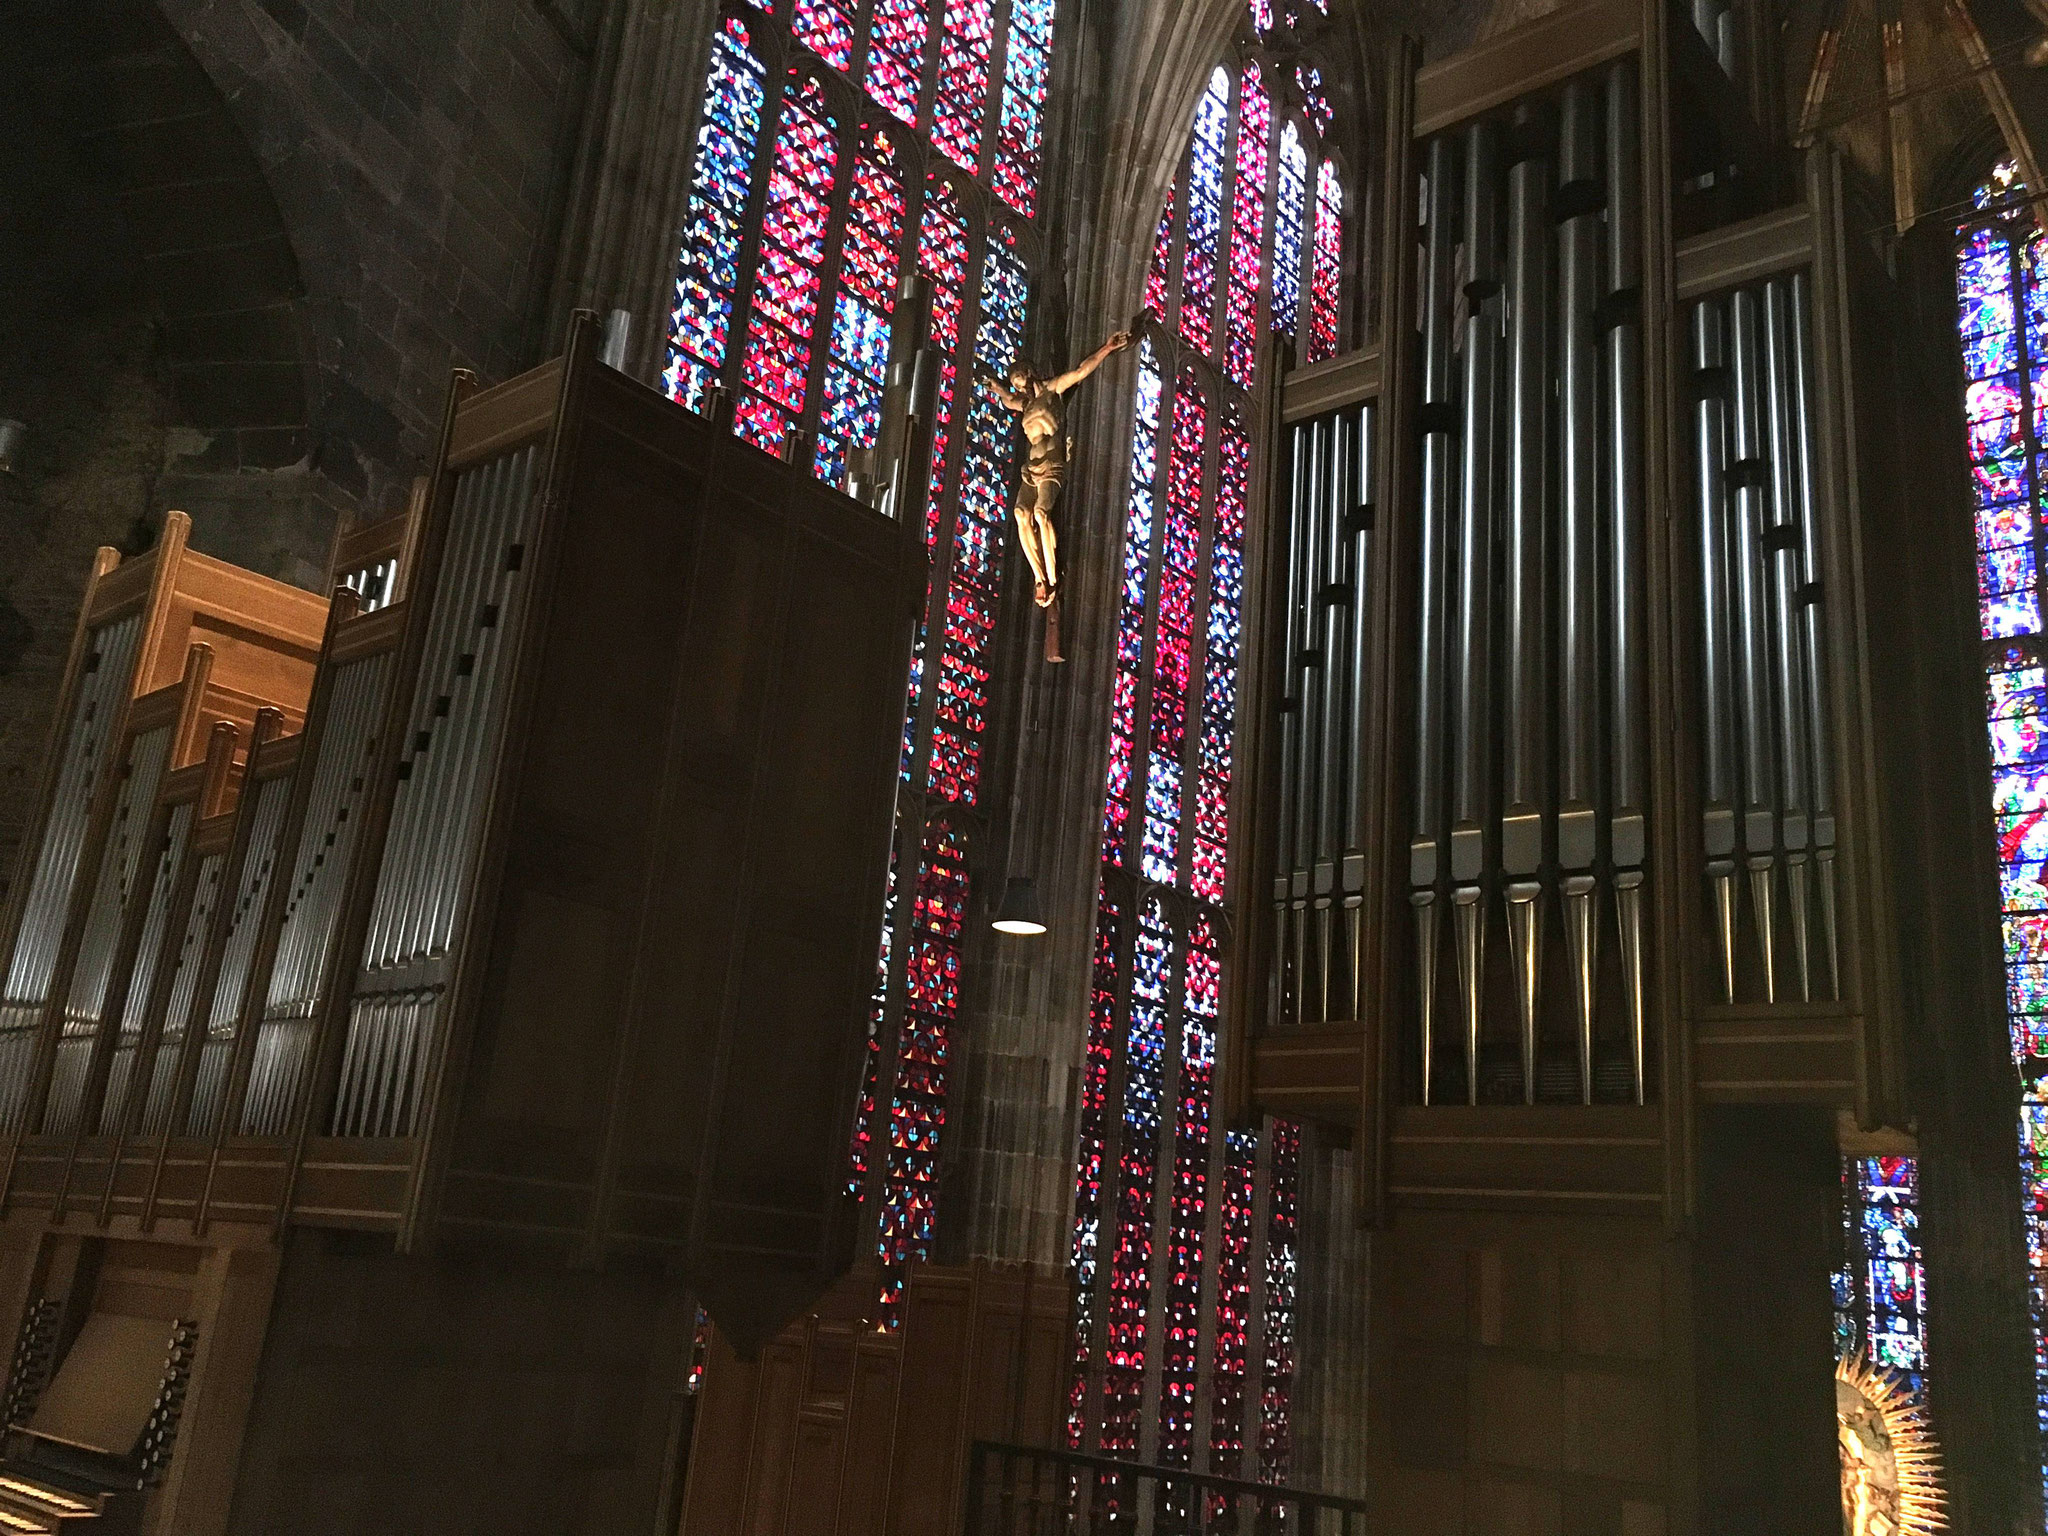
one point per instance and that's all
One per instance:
(1891, 1463)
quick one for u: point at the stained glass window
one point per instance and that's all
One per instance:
(1881, 1289)
(840, 146)
(1186, 1230)
(2002, 313)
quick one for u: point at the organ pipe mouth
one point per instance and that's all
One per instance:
(1019, 913)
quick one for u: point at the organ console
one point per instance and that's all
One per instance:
(526, 893)
(1569, 822)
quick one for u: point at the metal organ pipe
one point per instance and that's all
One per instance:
(1786, 559)
(1425, 849)
(1525, 781)
(1812, 629)
(1472, 717)
(1313, 691)
(1717, 644)
(1754, 680)
(1622, 352)
(1338, 731)
(1578, 788)
(1355, 450)
(1287, 976)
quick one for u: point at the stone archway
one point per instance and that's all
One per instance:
(150, 336)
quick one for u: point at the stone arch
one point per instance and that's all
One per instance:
(151, 337)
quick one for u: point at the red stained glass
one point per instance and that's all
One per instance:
(1094, 1106)
(1247, 229)
(1155, 273)
(1203, 188)
(1324, 281)
(963, 81)
(779, 335)
(896, 42)
(826, 28)
(917, 1110)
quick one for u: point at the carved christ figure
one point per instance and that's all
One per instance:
(1042, 405)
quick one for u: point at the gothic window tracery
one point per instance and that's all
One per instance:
(2002, 319)
(842, 144)
(1184, 1234)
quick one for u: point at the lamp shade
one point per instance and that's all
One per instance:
(1019, 911)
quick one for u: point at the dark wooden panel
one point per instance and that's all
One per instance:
(1561, 1157)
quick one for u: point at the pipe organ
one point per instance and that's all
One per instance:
(527, 892)
(1567, 783)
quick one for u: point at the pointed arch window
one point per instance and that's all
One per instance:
(2002, 318)
(1184, 1234)
(842, 144)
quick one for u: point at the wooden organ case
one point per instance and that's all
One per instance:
(539, 916)
(1576, 889)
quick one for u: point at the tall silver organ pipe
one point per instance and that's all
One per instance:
(148, 956)
(1785, 557)
(318, 872)
(1290, 878)
(456, 720)
(1628, 737)
(1472, 633)
(1312, 936)
(1525, 785)
(1355, 448)
(1320, 871)
(243, 920)
(149, 754)
(1425, 849)
(1717, 642)
(1531, 730)
(1754, 680)
(1340, 738)
(1767, 752)
(1813, 650)
(1578, 764)
(179, 1011)
(108, 674)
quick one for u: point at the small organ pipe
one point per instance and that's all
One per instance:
(1425, 848)
(1622, 350)
(1785, 557)
(1813, 649)
(1356, 436)
(1286, 1001)
(1472, 712)
(1717, 607)
(1752, 654)
(1315, 765)
(1578, 278)
(1338, 731)
(1525, 786)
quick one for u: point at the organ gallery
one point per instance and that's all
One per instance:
(677, 863)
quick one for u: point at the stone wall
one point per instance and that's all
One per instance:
(243, 244)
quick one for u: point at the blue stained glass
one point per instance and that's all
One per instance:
(2005, 570)
(2000, 480)
(1288, 210)
(1997, 436)
(860, 337)
(1204, 212)
(2016, 792)
(2026, 938)
(2004, 525)
(2015, 613)
(2023, 691)
(1162, 817)
(1994, 352)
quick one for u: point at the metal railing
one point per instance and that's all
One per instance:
(1020, 1490)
